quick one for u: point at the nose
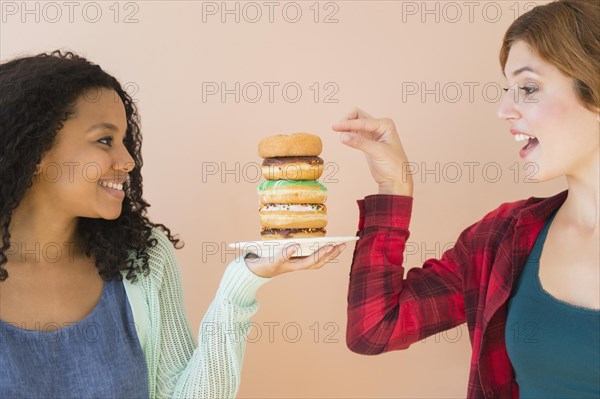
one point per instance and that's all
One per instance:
(507, 109)
(124, 163)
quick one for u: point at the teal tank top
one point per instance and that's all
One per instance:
(554, 346)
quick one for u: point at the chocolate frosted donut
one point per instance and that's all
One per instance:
(291, 192)
(285, 234)
(294, 145)
(293, 216)
(292, 168)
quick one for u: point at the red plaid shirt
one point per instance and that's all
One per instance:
(470, 283)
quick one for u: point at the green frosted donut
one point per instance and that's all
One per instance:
(307, 184)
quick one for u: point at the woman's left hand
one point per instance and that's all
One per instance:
(282, 262)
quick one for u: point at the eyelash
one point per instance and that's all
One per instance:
(527, 89)
(109, 138)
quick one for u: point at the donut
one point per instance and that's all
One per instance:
(292, 168)
(286, 234)
(291, 192)
(293, 216)
(294, 145)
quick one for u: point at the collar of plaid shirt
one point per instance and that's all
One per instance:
(471, 282)
(528, 223)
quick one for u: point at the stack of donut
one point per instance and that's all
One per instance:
(292, 200)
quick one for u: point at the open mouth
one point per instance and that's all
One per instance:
(531, 143)
(116, 192)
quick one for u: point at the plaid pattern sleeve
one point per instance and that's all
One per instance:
(471, 282)
(385, 310)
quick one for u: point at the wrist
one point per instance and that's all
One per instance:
(396, 188)
(260, 267)
(239, 285)
(250, 260)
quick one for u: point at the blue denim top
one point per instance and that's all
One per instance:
(97, 357)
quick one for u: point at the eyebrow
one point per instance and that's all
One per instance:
(102, 125)
(523, 69)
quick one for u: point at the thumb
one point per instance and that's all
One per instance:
(286, 253)
(358, 141)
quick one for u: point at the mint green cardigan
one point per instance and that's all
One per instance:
(178, 367)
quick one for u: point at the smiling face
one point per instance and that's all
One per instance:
(542, 102)
(88, 148)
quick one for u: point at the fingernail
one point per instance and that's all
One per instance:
(346, 138)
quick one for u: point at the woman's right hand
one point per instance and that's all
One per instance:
(279, 261)
(379, 140)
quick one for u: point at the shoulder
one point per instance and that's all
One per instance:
(163, 247)
(161, 257)
(504, 217)
(507, 211)
(514, 210)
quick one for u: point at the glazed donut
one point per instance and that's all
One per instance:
(292, 168)
(294, 145)
(291, 192)
(293, 216)
(285, 234)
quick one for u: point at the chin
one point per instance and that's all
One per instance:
(113, 216)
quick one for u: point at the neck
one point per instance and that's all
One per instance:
(42, 238)
(582, 205)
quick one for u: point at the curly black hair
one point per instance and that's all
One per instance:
(37, 95)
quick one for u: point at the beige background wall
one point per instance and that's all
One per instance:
(372, 54)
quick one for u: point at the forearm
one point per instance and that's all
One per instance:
(377, 274)
(387, 311)
(214, 367)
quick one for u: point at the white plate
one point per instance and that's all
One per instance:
(308, 246)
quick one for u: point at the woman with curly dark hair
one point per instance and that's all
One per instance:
(91, 299)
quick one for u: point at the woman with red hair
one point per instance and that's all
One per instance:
(532, 263)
